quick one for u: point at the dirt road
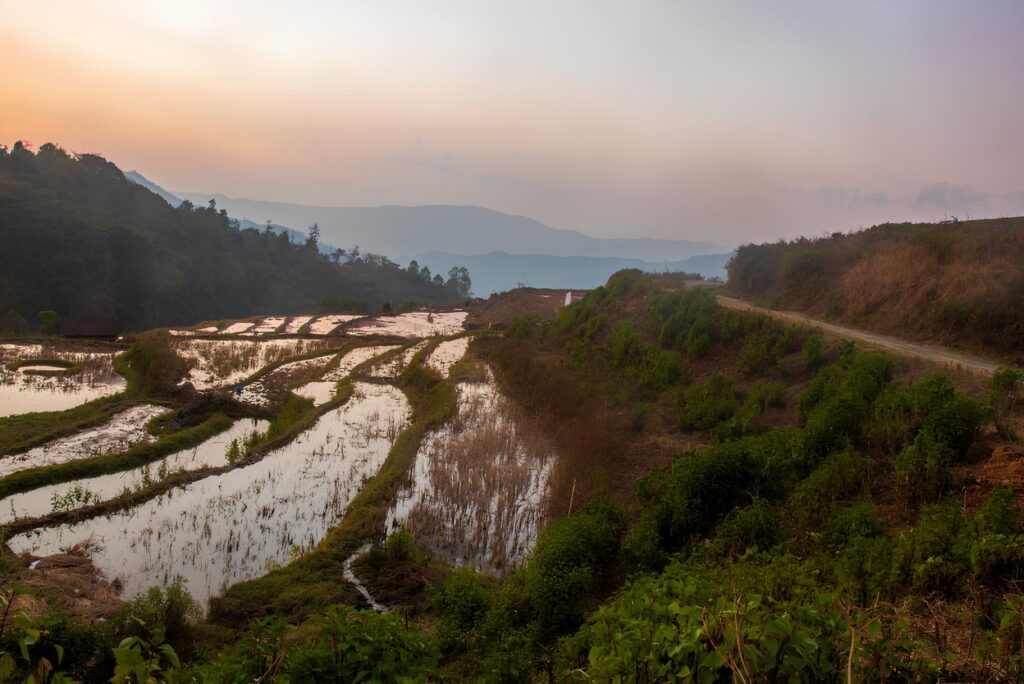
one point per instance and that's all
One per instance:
(928, 352)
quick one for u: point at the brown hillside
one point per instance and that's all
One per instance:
(958, 284)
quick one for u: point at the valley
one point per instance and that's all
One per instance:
(273, 467)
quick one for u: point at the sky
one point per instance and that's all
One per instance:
(723, 121)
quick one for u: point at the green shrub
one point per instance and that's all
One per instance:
(838, 477)
(568, 571)
(48, 323)
(765, 395)
(752, 526)
(700, 489)
(812, 353)
(931, 557)
(709, 403)
(465, 601)
(151, 366)
(758, 621)
(520, 328)
(400, 546)
(864, 568)
(923, 471)
(171, 611)
(955, 424)
(852, 522)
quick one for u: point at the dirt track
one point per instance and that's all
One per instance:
(927, 352)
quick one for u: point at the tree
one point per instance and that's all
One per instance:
(338, 255)
(425, 273)
(314, 236)
(458, 280)
(48, 322)
(414, 267)
(438, 280)
(269, 229)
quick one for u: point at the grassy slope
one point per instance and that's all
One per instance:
(957, 284)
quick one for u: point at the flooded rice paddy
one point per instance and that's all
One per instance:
(446, 355)
(237, 328)
(324, 325)
(90, 490)
(47, 387)
(123, 431)
(478, 485)
(392, 367)
(238, 525)
(357, 356)
(219, 363)
(413, 324)
(295, 324)
(319, 391)
(268, 326)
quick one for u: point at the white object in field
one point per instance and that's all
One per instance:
(568, 298)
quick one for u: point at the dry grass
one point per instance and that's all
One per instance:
(477, 495)
(957, 284)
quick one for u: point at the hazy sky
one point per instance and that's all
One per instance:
(729, 121)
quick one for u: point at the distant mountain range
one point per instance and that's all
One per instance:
(401, 232)
(501, 251)
(498, 271)
(297, 237)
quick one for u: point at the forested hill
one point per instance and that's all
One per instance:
(77, 237)
(956, 283)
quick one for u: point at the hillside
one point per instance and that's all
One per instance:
(499, 271)
(297, 237)
(81, 239)
(402, 232)
(957, 284)
(656, 488)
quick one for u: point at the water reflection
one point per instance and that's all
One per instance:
(238, 525)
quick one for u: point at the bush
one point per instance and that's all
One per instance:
(858, 521)
(465, 601)
(401, 547)
(753, 526)
(520, 328)
(699, 490)
(812, 353)
(568, 571)
(764, 395)
(837, 478)
(761, 621)
(48, 323)
(151, 366)
(171, 611)
(709, 403)
(923, 471)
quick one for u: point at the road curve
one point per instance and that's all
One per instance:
(928, 352)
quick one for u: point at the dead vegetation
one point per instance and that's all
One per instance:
(957, 284)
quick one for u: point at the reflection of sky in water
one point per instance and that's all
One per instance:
(212, 452)
(22, 392)
(234, 526)
(122, 431)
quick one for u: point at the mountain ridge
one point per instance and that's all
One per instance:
(404, 230)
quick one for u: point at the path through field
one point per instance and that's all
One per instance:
(927, 352)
